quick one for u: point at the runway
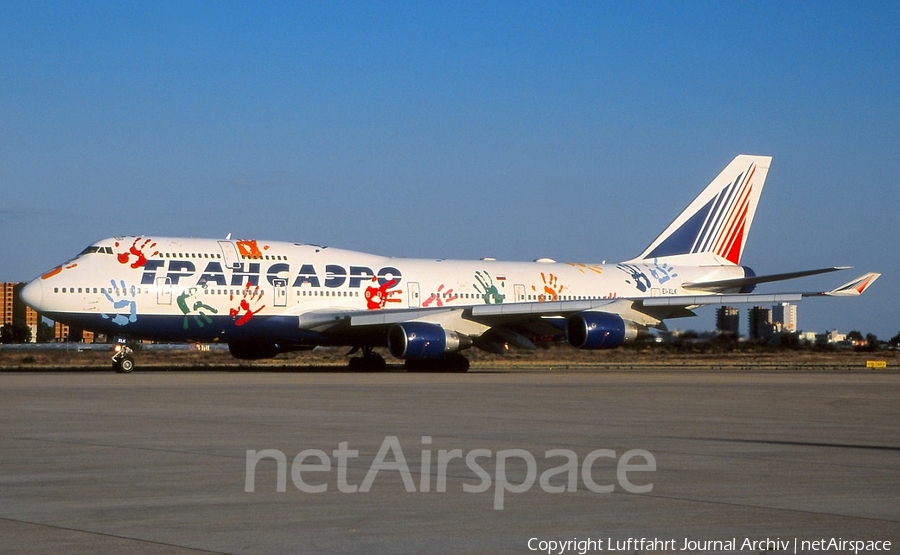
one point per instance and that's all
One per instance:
(157, 462)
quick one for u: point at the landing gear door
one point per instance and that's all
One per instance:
(280, 292)
(164, 290)
(230, 254)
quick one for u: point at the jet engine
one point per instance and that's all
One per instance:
(600, 330)
(419, 340)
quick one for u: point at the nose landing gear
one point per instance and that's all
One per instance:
(122, 360)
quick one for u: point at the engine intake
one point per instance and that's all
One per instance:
(418, 340)
(600, 330)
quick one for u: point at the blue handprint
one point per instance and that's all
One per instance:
(641, 281)
(121, 301)
(662, 272)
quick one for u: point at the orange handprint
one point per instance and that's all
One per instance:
(552, 288)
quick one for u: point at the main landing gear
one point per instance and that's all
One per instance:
(370, 361)
(122, 360)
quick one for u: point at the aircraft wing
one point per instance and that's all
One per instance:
(703, 300)
(723, 284)
(852, 288)
(548, 318)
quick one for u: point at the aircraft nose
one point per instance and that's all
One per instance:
(33, 294)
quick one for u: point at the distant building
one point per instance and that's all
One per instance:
(64, 333)
(728, 320)
(60, 332)
(831, 337)
(784, 317)
(760, 323)
(14, 311)
(807, 336)
(7, 300)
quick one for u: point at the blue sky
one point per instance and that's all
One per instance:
(517, 130)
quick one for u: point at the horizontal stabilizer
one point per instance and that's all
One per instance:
(723, 284)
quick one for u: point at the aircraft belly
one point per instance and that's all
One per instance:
(192, 327)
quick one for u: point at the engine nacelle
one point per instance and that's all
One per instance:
(748, 272)
(599, 330)
(416, 340)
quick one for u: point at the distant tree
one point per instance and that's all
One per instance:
(15, 333)
(895, 341)
(726, 337)
(872, 341)
(855, 336)
(45, 333)
(791, 340)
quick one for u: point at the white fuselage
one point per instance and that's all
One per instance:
(191, 288)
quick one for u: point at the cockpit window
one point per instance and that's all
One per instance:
(95, 249)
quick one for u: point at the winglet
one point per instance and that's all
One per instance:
(856, 287)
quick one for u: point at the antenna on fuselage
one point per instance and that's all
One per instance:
(228, 237)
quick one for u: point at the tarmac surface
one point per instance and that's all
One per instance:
(157, 462)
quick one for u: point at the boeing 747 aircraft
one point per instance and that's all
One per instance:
(263, 298)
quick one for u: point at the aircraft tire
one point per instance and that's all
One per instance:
(124, 366)
(368, 363)
(457, 363)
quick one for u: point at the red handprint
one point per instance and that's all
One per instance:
(439, 298)
(243, 312)
(138, 252)
(378, 297)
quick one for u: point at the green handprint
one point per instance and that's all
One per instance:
(201, 318)
(487, 289)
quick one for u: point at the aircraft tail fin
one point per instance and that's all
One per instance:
(714, 227)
